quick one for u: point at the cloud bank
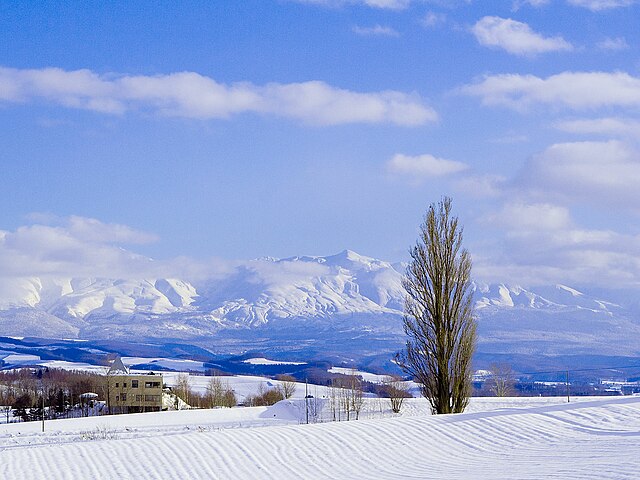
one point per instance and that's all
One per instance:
(191, 95)
(515, 37)
(375, 31)
(599, 5)
(609, 126)
(602, 172)
(85, 247)
(423, 166)
(380, 4)
(542, 245)
(575, 90)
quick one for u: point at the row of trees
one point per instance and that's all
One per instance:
(345, 395)
(25, 391)
(218, 393)
(22, 391)
(343, 399)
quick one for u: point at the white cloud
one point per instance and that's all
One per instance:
(37, 250)
(613, 44)
(607, 173)
(575, 266)
(542, 244)
(381, 4)
(576, 90)
(481, 185)
(188, 94)
(511, 138)
(534, 239)
(85, 247)
(392, 4)
(532, 217)
(92, 230)
(610, 126)
(432, 19)
(423, 166)
(376, 30)
(598, 5)
(534, 3)
(515, 37)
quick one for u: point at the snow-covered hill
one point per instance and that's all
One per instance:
(525, 438)
(334, 299)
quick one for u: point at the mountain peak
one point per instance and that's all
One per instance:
(349, 256)
(570, 290)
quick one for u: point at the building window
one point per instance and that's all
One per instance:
(134, 383)
(117, 398)
(139, 398)
(152, 398)
(124, 397)
(117, 384)
(124, 385)
(152, 384)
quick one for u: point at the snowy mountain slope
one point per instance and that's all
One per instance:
(31, 322)
(545, 297)
(80, 297)
(305, 287)
(334, 299)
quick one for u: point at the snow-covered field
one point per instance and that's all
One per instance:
(497, 438)
(266, 361)
(366, 376)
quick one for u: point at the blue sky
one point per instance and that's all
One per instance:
(186, 131)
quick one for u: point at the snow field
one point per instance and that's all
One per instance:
(266, 361)
(592, 438)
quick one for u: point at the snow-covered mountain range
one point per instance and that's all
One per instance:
(306, 297)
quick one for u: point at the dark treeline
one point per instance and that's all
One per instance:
(23, 391)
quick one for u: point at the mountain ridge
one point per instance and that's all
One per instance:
(305, 296)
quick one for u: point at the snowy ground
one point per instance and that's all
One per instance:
(497, 438)
(366, 376)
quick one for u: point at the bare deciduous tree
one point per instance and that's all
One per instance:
(287, 385)
(182, 388)
(396, 390)
(264, 397)
(356, 394)
(348, 396)
(501, 379)
(333, 401)
(313, 407)
(438, 318)
(220, 394)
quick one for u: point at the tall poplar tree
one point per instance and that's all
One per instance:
(439, 320)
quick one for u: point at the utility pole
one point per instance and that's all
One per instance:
(43, 410)
(41, 382)
(306, 399)
(568, 399)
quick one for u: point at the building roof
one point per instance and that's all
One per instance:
(118, 368)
